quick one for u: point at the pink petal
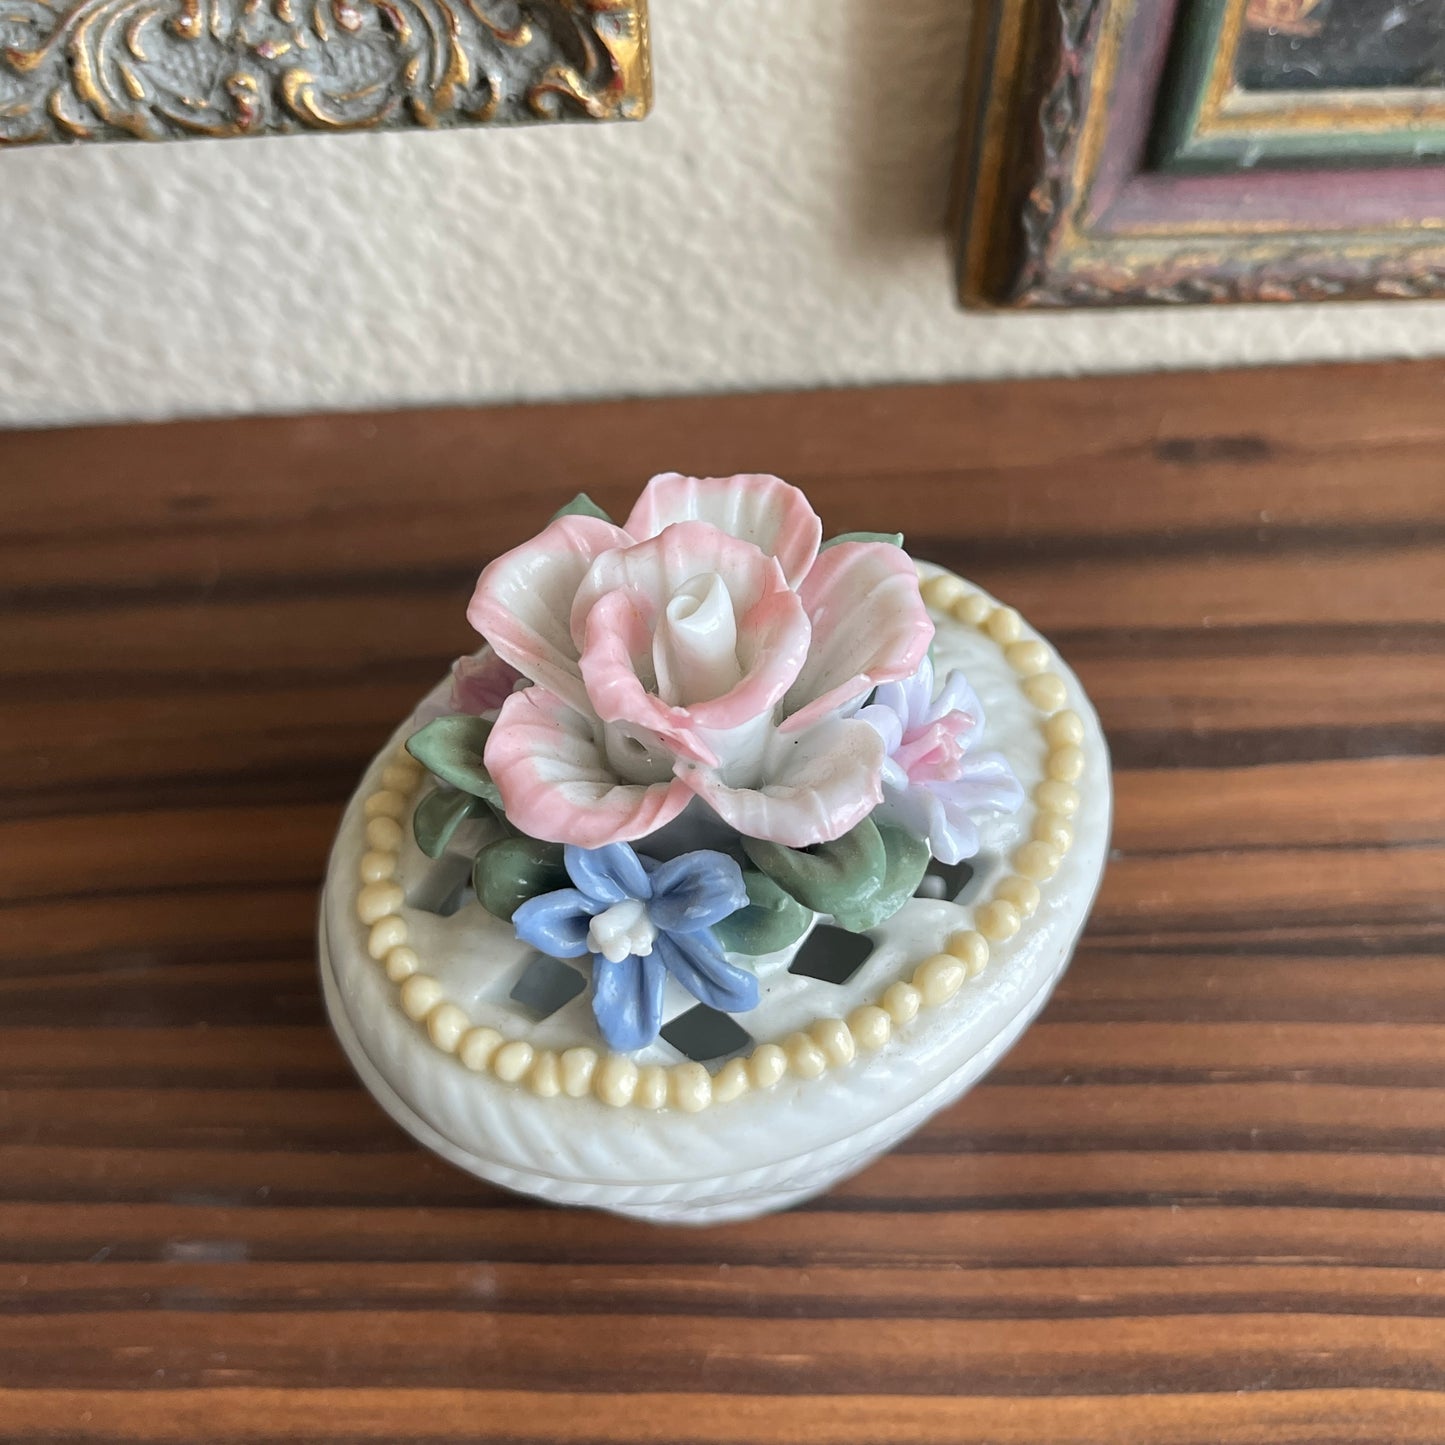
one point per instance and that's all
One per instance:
(524, 598)
(869, 626)
(819, 785)
(619, 638)
(932, 754)
(618, 606)
(754, 507)
(557, 785)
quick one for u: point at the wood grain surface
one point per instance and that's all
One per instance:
(1202, 1202)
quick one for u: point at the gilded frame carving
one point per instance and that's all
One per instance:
(102, 70)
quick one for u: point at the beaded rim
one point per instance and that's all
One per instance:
(617, 1079)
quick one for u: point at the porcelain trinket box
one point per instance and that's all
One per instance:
(732, 856)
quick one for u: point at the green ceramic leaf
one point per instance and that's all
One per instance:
(861, 878)
(893, 539)
(452, 748)
(582, 506)
(908, 859)
(825, 878)
(509, 872)
(772, 919)
(439, 815)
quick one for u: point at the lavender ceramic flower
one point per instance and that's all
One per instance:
(707, 650)
(642, 921)
(932, 785)
(480, 685)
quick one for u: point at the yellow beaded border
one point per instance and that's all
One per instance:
(617, 1079)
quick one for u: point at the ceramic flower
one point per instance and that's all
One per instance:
(933, 786)
(642, 922)
(481, 683)
(706, 650)
(479, 686)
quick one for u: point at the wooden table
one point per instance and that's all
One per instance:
(1203, 1201)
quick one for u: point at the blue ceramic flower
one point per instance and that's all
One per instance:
(641, 921)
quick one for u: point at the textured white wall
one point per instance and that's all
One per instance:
(777, 222)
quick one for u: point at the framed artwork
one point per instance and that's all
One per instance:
(1128, 152)
(103, 70)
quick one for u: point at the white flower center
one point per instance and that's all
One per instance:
(624, 928)
(695, 647)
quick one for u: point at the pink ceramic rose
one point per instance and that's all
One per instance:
(707, 650)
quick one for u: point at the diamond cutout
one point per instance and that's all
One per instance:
(546, 985)
(955, 882)
(831, 954)
(446, 886)
(705, 1034)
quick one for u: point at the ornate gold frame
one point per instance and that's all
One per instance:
(100, 70)
(1060, 205)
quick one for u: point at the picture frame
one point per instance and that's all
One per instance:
(1080, 186)
(107, 70)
